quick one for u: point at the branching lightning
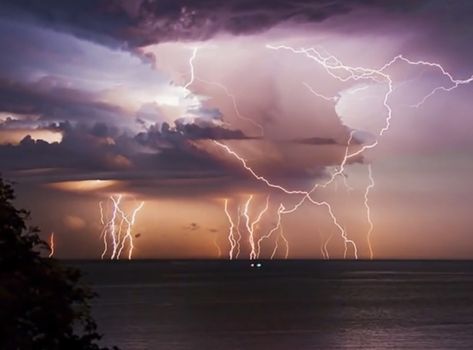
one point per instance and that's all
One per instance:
(250, 225)
(455, 82)
(235, 105)
(326, 98)
(270, 233)
(343, 73)
(306, 194)
(325, 247)
(234, 234)
(231, 234)
(112, 230)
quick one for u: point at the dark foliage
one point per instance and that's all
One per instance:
(43, 306)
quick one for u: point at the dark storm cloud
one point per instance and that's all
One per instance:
(81, 149)
(51, 100)
(86, 150)
(357, 140)
(138, 23)
(165, 136)
(11, 123)
(168, 160)
(315, 141)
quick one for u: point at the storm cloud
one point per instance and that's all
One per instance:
(139, 23)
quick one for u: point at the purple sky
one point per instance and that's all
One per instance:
(136, 98)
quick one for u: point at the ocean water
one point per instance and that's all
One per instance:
(190, 305)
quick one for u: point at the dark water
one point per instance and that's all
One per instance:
(283, 305)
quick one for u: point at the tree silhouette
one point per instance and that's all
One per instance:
(43, 306)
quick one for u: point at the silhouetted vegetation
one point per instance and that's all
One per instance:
(43, 306)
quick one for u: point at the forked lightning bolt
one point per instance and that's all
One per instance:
(306, 194)
(113, 230)
(343, 73)
(235, 105)
(270, 233)
(250, 225)
(231, 233)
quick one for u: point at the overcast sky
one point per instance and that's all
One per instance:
(138, 98)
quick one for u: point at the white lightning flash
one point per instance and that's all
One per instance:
(343, 73)
(112, 230)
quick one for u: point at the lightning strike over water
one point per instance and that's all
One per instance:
(270, 233)
(128, 236)
(195, 145)
(217, 246)
(307, 194)
(368, 211)
(113, 229)
(250, 226)
(344, 73)
(51, 245)
(325, 246)
(231, 235)
(276, 247)
(238, 239)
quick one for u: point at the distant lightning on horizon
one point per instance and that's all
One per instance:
(51, 245)
(113, 230)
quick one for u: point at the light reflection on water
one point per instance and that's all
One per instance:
(285, 305)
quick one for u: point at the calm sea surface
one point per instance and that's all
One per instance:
(205, 305)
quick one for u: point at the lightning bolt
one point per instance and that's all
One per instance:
(128, 236)
(250, 226)
(343, 73)
(286, 242)
(231, 238)
(109, 228)
(325, 247)
(326, 98)
(192, 69)
(217, 246)
(104, 231)
(270, 233)
(113, 228)
(51, 245)
(276, 247)
(454, 82)
(368, 211)
(252, 172)
(306, 194)
(234, 103)
(322, 250)
(238, 233)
